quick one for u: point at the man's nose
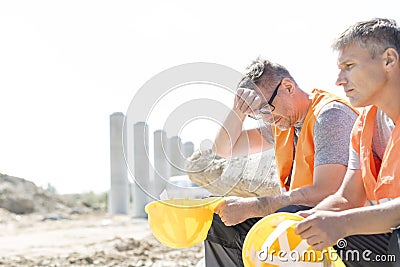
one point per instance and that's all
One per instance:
(341, 80)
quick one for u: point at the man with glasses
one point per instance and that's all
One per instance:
(310, 134)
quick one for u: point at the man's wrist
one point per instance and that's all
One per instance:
(263, 206)
(239, 113)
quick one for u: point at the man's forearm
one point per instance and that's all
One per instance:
(334, 202)
(373, 219)
(307, 196)
(229, 133)
(269, 204)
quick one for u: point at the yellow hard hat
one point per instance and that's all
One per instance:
(272, 242)
(181, 223)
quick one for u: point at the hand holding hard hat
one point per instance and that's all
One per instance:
(273, 242)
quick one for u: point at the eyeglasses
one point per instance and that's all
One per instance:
(268, 107)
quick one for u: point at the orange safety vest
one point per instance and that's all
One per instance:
(303, 160)
(381, 178)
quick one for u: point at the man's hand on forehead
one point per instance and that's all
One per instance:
(247, 101)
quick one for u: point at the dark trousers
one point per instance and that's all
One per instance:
(366, 250)
(394, 246)
(223, 246)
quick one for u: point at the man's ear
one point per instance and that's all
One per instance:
(391, 58)
(288, 84)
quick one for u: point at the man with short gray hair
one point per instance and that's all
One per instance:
(365, 210)
(310, 133)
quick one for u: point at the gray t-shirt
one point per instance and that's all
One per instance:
(331, 134)
(332, 131)
(382, 131)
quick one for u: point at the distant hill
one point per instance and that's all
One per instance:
(21, 196)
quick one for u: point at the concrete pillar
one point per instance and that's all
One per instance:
(118, 197)
(162, 169)
(175, 156)
(141, 169)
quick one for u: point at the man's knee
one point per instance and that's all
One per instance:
(221, 234)
(229, 236)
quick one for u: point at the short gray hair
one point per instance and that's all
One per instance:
(262, 72)
(376, 35)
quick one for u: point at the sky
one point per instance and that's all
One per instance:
(66, 66)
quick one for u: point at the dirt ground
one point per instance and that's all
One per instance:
(93, 239)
